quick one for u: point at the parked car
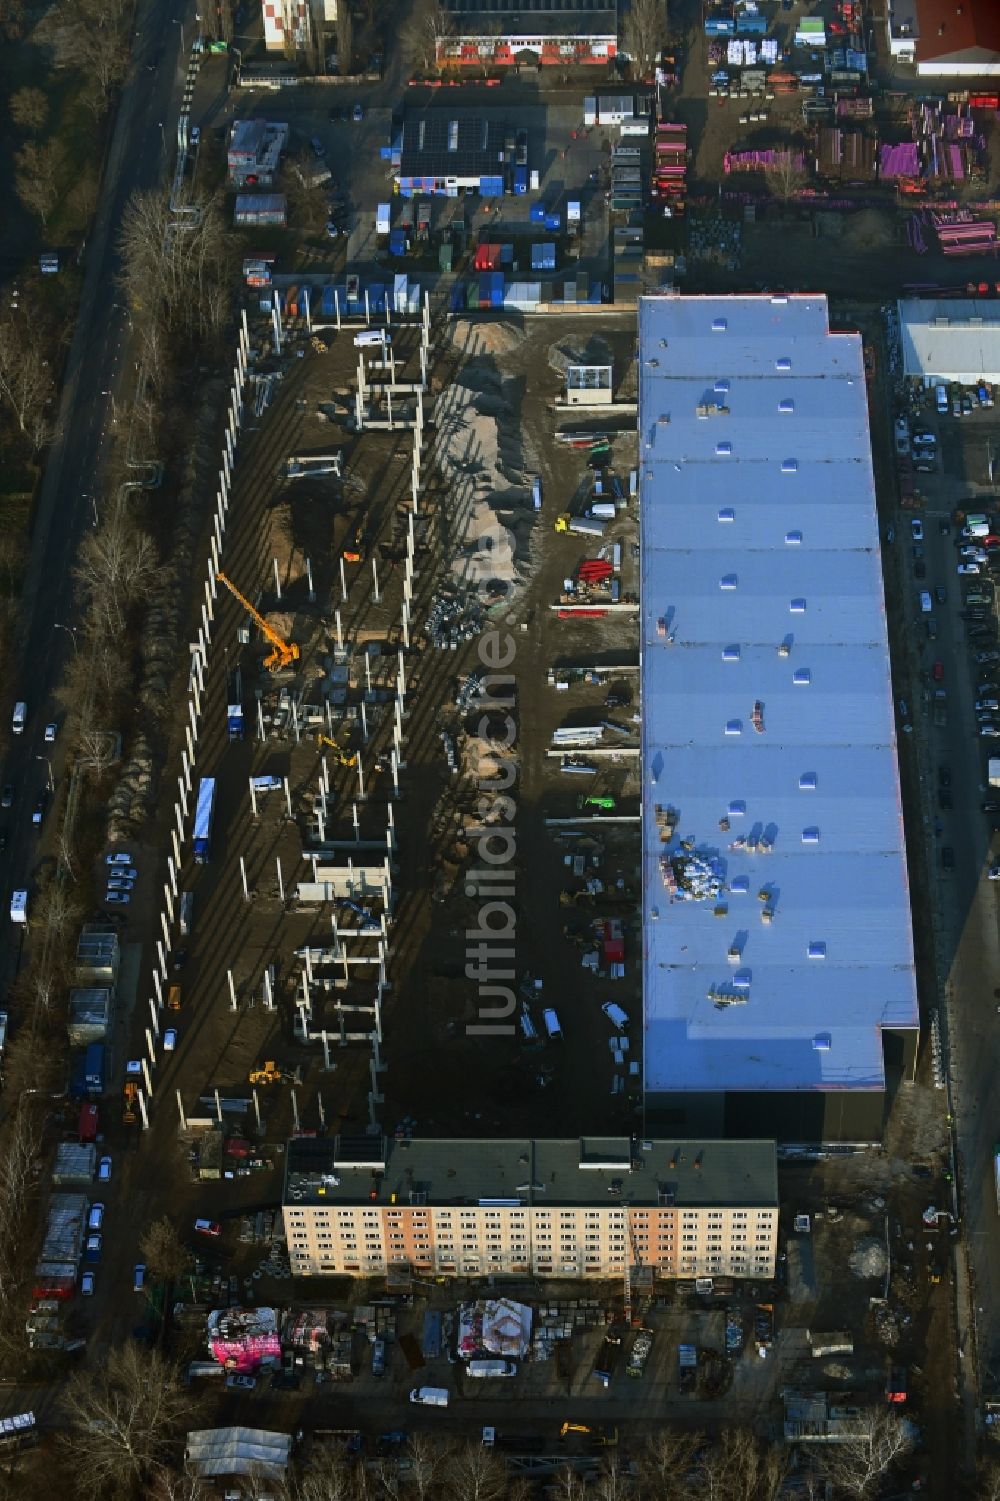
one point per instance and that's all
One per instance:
(207, 1227)
(119, 898)
(944, 775)
(937, 671)
(87, 1285)
(968, 568)
(7, 795)
(38, 811)
(104, 1170)
(319, 150)
(195, 135)
(993, 874)
(987, 703)
(139, 1277)
(989, 731)
(947, 857)
(51, 731)
(917, 528)
(378, 1358)
(118, 857)
(941, 594)
(95, 1218)
(924, 438)
(236, 1381)
(920, 572)
(170, 1040)
(358, 114)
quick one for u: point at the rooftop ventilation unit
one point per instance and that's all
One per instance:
(783, 364)
(727, 514)
(793, 539)
(817, 951)
(797, 606)
(728, 581)
(734, 727)
(730, 654)
(802, 676)
(810, 836)
(807, 781)
(786, 404)
(789, 466)
(719, 325)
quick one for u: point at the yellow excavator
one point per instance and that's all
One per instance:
(605, 1438)
(342, 757)
(283, 653)
(270, 1073)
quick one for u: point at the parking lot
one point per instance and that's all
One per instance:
(949, 727)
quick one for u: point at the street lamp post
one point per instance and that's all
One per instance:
(48, 767)
(71, 633)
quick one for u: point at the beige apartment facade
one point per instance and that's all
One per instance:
(562, 1208)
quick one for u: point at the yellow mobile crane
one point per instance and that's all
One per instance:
(283, 653)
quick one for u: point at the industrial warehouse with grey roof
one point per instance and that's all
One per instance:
(779, 987)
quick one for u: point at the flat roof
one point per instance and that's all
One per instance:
(556, 1172)
(759, 536)
(950, 337)
(445, 144)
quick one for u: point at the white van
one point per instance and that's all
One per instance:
(486, 1369)
(20, 715)
(371, 338)
(926, 603)
(615, 1015)
(941, 397)
(429, 1396)
(19, 906)
(552, 1026)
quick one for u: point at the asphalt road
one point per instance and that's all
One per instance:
(98, 378)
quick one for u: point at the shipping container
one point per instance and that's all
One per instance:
(87, 1124)
(537, 213)
(491, 187)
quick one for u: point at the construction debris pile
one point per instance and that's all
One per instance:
(455, 615)
(691, 876)
(498, 1326)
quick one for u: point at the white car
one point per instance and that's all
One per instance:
(968, 568)
(917, 528)
(87, 1285)
(987, 703)
(170, 1039)
(104, 1170)
(993, 874)
(118, 857)
(119, 898)
(51, 731)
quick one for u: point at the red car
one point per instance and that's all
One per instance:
(207, 1227)
(937, 671)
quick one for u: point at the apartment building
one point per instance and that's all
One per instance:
(555, 1208)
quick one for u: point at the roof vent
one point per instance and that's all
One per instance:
(817, 950)
(802, 676)
(793, 539)
(807, 781)
(822, 1042)
(783, 364)
(739, 885)
(734, 727)
(719, 325)
(730, 654)
(810, 836)
(723, 450)
(786, 404)
(737, 808)
(789, 466)
(728, 581)
(727, 514)
(742, 978)
(721, 387)
(777, 301)
(797, 606)
(665, 1198)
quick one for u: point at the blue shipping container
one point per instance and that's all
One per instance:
(327, 304)
(520, 179)
(720, 26)
(397, 242)
(491, 187)
(537, 214)
(748, 25)
(552, 221)
(456, 301)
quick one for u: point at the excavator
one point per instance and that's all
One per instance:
(270, 1073)
(340, 756)
(283, 653)
(604, 1438)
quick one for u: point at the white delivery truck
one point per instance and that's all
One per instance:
(994, 771)
(372, 338)
(20, 716)
(429, 1396)
(19, 906)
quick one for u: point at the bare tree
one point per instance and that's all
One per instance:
(328, 1477)
(29, 108)
(669, 1457)
(788, 176)
(36, 174)
(474, 1473)
(59, 910)
(94, 39)
(116, 566)
(429, 25)
(876, 1441)
(20, 1163)
(175, 273)
(26, 384)
(644, 33)
(988, 1488)
(164, 1252)
(345, 36)
(426, 1458)
(122, 1418)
